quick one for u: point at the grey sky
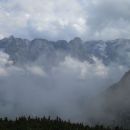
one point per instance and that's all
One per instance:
(65, 19)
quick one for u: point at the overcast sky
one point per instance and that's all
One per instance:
(65, 19)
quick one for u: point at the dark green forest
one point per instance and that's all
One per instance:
(28, 123)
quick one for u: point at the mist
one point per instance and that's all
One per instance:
(65, 89)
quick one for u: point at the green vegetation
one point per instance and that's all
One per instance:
(28, 123)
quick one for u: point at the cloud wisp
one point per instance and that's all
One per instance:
(65, 90)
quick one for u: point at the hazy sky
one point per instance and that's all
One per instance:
(65, 19)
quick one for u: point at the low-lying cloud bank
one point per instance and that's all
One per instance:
(64, 90)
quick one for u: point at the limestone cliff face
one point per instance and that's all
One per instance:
(23, 50)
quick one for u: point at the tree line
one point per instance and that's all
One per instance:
(28, 123)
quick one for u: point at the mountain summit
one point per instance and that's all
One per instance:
(22, 50)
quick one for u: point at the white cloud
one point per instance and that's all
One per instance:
(65, 19)
(108, 19)
(82, 69)
(4, 62)
(36, 70)
(41, 18)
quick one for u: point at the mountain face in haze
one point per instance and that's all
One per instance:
(22, 51)
(117, 101)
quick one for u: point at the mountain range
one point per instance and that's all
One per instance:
(22, 50)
